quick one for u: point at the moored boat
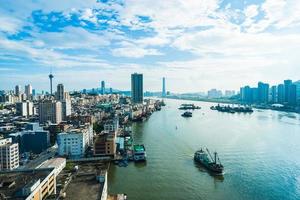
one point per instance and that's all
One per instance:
(139, 153)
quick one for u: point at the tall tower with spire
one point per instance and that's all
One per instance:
(51, 77)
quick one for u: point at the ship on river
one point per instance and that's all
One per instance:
(187, 114)
(188, 107)
(232, 109)
(206, 160)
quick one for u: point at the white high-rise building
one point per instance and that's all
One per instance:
(28, 91)
(24, 108)
(50, 111)
(9, 154)
(66, 109)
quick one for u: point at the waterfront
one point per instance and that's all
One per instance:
(260, 152)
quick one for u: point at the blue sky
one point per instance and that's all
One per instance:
(195, 44)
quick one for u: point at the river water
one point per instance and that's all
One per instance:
(260, 153)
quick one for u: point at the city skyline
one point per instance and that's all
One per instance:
(215, 44)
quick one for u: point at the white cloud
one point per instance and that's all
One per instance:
(252, 50)
(9, 24)
(72, 38)
(135, 52)
(279, 14)
(89, 15)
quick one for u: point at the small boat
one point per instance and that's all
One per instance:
(206, 160)
(139, 153)
(187, 114)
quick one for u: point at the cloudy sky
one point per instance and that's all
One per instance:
(195, 44)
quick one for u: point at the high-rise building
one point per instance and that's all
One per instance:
(263, 92)
(9, 154)
(66, 109)
(214, 93)
(274, 94)
(17, 90)
(280, 93)
(292, 100)
(102, 87)
(60, 93)
(28, 91)
(137, 88)
(246, 94)
(24, 108)
(229, 93)
(297, 83)
(163, 87)
(287, 84)
(33, 92)
(50, 111)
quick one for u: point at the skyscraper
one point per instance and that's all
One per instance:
(292, 100)
(66, 109)
(28, 91)
(137, 88)
(274, 94)
(60, 92)
(17, 90)
(102, 87)
(163, 87)
(246, 94)
(287, 84)
(263, 92)
(280, 94)
(24, 108)
(50, 111)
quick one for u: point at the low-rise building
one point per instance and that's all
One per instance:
(34, 184)
(74, 142)
(105, 144)
(9, 154)
(89, 183)
(33, 139)
(57, 163)
(111, 125)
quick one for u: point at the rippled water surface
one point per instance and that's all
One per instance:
(260, 152)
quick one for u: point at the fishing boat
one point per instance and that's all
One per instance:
(206, 160)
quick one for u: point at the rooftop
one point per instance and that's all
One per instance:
(12, 183)
(84, 184)
(54, 162)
